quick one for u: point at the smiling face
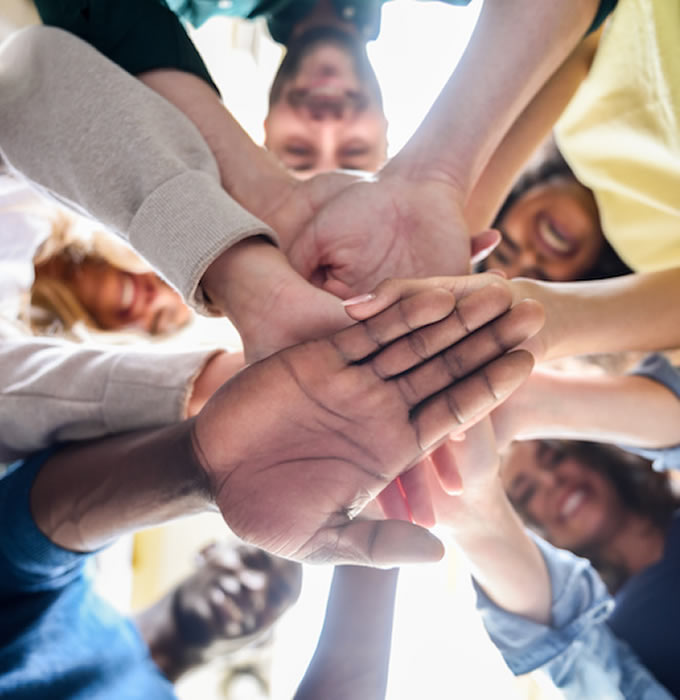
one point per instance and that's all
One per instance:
(551, 232)
(325, 107)
(117, 299)
(572, 505)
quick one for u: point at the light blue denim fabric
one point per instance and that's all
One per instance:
(578, 651)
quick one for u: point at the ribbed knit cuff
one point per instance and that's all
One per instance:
(143, 393)
(185, 224)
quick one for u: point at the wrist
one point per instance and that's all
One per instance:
(230, 275)
(472, 512)
(412, 168)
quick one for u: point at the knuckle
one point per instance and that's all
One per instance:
(417, 341)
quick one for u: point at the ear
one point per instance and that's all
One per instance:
(482, 243)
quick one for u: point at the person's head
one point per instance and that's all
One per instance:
(105, 286)
(325, 105)
(550, 229)
(578, 494)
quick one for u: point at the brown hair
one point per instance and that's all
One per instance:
(641, 490)
(608, 263)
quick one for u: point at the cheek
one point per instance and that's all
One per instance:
(278, 124)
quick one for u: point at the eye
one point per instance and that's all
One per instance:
(522, 499)
(298, 150)
(500, 256)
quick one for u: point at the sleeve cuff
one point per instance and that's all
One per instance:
(580, 601)
(158, 388)
(185, 224)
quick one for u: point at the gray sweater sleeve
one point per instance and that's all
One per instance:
(54, 391)
(85, 131)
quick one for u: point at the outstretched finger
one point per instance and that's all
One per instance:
(478, 349)
(390, 291)
(463, 403)
(416, 493)
(394, 503)
(377, 543)
(470, 314)
(444, 461)
(408, 314)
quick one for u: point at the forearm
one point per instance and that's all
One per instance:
(352, 657)
(249, 173)
(631, 410)
(503, 559)
(495, 80)
(634, 312)
(529, 131)
(132, 161)
(89, 493)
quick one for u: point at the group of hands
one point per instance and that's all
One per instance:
(383, 399)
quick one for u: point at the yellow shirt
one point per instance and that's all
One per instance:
(621, 132)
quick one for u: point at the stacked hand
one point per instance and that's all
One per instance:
(369, 401)
(344, 234)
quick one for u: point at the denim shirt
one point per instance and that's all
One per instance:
(579, 651)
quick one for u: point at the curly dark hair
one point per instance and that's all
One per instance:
(608, 264)
(642, 490)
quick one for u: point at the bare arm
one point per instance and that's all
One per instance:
(633, 410)
(251, 175)
(526, 134)
(409, 220)
(352, 657)
(503, 559)
(468, 122)
(634, 312)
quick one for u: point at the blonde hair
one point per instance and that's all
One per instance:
(54, 308)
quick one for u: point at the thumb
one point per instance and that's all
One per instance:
(380, 543)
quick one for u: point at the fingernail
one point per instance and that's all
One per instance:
(483, 254)
(496, 271)
(361, 299)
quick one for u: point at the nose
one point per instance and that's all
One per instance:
(527, 257)
(530, 262)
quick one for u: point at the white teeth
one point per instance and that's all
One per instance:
(553, 237)
(572, 503)
(326, 91)
(128, 294)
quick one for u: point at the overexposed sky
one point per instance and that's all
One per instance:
(418, 48)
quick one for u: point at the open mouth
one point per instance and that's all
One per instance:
(127, 295)
(572, 503)
(553, 239)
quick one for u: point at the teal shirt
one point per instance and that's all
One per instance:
(142, 35)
